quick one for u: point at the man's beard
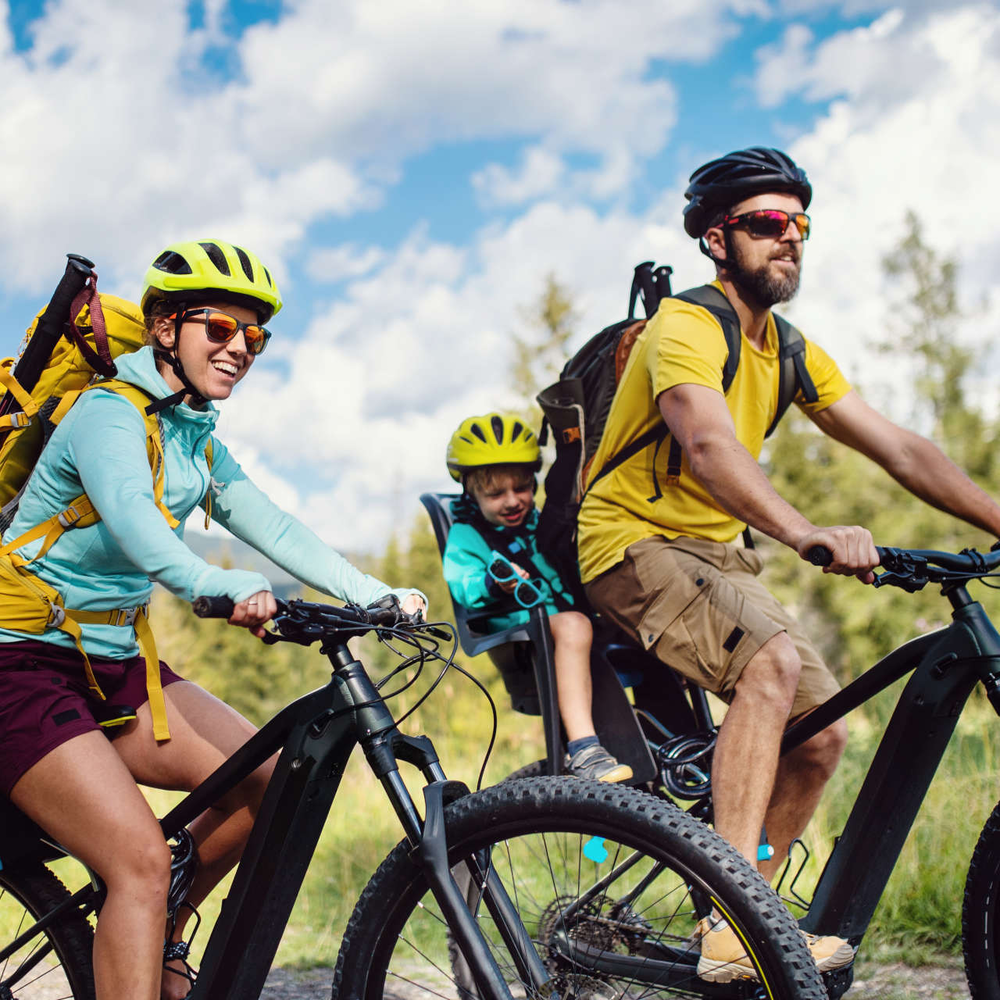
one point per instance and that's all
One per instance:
(759, 284)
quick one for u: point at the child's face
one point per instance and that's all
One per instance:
(507, 500)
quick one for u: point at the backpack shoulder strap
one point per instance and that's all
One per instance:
(140, 399)
(80, 513)
(709, 297)
(793, 375)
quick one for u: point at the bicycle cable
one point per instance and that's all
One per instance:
(422, 656)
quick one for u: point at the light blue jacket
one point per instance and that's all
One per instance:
(467, 556)
(99, 449)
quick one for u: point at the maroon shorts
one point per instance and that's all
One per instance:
(45, 700)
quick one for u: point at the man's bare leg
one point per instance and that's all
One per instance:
(745, 762)
(802, 775)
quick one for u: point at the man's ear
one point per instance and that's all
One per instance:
(715, 240)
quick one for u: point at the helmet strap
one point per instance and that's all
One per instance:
(170, 358)
(719, 262)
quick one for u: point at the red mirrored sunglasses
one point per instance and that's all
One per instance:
(770, 222)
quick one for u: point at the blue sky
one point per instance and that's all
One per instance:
(412, 171)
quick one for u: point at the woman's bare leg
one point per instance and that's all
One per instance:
(204, 733)
(84, 797)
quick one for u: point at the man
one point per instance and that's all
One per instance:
(657, 552)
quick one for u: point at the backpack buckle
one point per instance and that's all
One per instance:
(123, 617)
(57, 615)
(69, 517)
(18, 420)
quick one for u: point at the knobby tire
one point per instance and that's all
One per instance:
(549, 840)
(981, 914)
(57, 962)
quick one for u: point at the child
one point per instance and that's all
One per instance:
(495, 458)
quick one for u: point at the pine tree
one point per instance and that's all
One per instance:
(540, 354)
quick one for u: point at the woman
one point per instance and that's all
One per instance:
(205, 304)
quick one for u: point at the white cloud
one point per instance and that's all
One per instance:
(929, 145)
(538, 174)
(117, 138)
(883, 62)
(332, 264)
(116, 143)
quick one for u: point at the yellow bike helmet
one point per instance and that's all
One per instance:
(201, 270)
(492, 439)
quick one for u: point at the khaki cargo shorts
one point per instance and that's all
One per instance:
(700, 608)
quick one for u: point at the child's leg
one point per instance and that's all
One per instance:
(571, 636)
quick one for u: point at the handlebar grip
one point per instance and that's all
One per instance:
(819, 555)
(213, 607)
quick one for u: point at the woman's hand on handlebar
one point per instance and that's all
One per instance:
(851, 547)
(254, 612)
(412, 603)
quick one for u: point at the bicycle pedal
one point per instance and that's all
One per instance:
(838, 981)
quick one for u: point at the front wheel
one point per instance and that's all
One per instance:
(981, 914)
(608, 882)
(56, 962)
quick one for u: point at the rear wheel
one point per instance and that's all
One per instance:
(55, 963)
(981, 916)
(606, 881)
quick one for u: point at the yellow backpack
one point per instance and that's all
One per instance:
(98, 329)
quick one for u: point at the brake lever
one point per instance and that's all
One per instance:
(910, 582)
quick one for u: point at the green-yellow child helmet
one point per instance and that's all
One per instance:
(492, 439)
(201, 270)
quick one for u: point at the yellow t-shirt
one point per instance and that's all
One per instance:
(682, 344)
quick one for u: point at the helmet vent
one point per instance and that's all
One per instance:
(497, 424)
(267, 274)
(245, 262)
(172, 262)
(517, 430)
(478, 431)
(217, 257)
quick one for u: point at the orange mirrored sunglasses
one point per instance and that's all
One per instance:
(221, 328)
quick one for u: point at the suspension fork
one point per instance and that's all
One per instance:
(384, 745)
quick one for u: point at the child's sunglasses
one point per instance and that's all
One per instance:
(526, 593)
(770, 222)
(221, 328)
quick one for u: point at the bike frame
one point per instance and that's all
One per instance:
(946, 665)
(316, 735)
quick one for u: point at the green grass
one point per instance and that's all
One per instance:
(362, 827)
(918, 920)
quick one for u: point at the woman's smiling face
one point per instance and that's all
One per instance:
(212, 368)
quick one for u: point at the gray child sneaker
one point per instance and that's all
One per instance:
(595, 762)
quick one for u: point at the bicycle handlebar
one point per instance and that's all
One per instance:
(301, 621)
(912, 569)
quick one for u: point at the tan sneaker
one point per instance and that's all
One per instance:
(723, 957)
(829, 952)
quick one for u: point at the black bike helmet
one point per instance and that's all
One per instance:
(724, 182)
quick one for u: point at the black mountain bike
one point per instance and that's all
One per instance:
(543, 887)
(945, 665)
